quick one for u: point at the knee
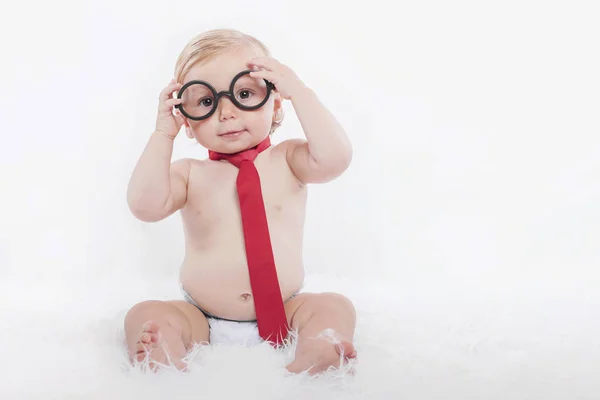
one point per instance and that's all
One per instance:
(161, 312)
(322, 305)
(142, 309)
(336, 301)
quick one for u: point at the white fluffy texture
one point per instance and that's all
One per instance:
(415, 342)
(466, 231)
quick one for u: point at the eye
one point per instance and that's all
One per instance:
(206, 102)
(244, 94)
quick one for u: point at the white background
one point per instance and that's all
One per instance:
(474, 188)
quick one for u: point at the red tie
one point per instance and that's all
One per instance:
(270, 313)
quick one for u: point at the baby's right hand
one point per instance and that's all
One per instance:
(167, 123)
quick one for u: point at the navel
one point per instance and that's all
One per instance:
(246, 296)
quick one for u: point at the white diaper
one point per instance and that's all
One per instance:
(225, 331)
(233, 332)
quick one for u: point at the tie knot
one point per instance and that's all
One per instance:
(245, 155)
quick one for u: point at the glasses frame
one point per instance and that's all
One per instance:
(217, 96)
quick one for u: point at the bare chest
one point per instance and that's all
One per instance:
(212, 209)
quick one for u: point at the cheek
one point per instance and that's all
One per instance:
(267, 118)
(201, 131)
(258, 120)
(198, 127)
(265, 114)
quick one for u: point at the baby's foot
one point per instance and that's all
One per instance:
(320, 359)
(152, 344)
(346, 350)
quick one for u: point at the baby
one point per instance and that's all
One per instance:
(229, 99)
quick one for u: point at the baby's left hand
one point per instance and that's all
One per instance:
(285, 80)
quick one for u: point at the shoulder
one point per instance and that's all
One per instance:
(285, 149)
(191, 163)
(288, 145)
(182, 166)
(282, 152)
(188, 167)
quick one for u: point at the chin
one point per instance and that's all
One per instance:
(230, 147)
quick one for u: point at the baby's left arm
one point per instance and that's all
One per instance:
(327, 152)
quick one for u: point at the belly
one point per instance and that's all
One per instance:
(215, 271)
(218, 280)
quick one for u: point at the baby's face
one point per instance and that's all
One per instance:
(254, 125)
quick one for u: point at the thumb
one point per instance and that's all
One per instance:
(178, 120)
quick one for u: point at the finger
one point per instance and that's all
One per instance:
(167, 91)
(267, 63)
(179, 120)
(170, 88)
(172, 102)
(167, 106)
(166, 110)
(268, 75)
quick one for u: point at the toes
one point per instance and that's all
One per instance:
(141, 347)
(149, 338)
(145, 338)
(350, 351)
(150, 333)
(346, 349)
(141, 356)
(155, 337)
(150, 327)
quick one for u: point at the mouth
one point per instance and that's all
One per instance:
(231, 133)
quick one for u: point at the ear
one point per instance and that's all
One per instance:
(188, 129)
(277, 103)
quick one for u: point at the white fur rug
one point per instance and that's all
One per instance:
(466, 231)
(62, 339)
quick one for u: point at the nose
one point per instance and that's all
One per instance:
(226, 108)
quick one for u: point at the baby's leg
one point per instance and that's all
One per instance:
(325, 324)
(164, 331)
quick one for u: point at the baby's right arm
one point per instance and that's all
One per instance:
(157, 187)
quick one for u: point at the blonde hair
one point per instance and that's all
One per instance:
(210, 44)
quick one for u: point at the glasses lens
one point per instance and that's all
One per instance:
(197, 100)
(249, 91)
